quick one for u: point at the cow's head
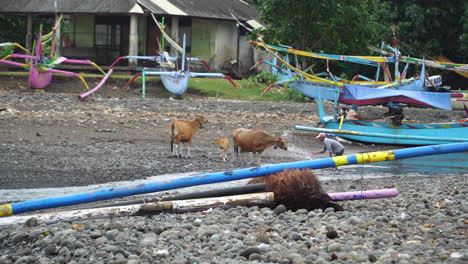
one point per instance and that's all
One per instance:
(281, 144)
(201, 120)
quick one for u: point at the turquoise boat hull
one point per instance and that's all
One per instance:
(448, 130)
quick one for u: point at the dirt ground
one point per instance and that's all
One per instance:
(53, 139)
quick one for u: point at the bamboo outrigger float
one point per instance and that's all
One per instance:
(360, 158)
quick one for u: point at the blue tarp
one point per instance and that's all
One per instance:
(357, 94)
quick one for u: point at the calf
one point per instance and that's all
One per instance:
(183, 131)
(223, 144)
(255, 141)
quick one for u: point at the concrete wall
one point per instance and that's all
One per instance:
(225, 45)
(215, 42)
(245, 54)
(203, 39)
(258, 55)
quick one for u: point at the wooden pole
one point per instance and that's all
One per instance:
(138, 209)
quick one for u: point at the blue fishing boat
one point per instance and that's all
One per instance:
(401, 92)
(389, 133)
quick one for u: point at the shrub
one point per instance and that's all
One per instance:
(265, 78)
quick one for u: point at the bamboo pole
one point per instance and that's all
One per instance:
(244, 189)
(138, 209)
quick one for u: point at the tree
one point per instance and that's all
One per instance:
(12, 29)
(329, 26)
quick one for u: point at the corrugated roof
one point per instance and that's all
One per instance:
(219, 9)
(216, 9)
(70, 6)
(254, 23)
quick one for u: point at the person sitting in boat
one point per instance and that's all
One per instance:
(395, 113)
(333, 147)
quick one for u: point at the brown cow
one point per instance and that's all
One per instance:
(223, 144)
(183, 131)
(255, 141)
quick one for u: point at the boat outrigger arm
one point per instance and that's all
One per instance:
(366, 60)
(305, 74)
(449, 66)
(6, 44)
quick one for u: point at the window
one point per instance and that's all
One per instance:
(107, 36)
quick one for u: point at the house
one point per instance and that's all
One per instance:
(104, 30)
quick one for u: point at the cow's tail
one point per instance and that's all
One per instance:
(171, 134)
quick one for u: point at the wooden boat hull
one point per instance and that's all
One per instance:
(448, 130)
(37, 79)
(176, 84)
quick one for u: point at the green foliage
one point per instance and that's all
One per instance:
(464, 37)
(264, 78)
(12, 29)
(425, 28)
(294, 96)
(320, 25)
(6, 50)
(337, 27)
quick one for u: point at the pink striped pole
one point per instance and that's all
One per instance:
(362, 195)
(22, 56)
(84, 62)
(14, 63)
(84, 95)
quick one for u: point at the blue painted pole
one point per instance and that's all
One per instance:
(367, 134)
(143, 82)
(26, 206)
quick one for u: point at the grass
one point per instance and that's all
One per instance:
(249, 89)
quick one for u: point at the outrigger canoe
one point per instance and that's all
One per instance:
(388, 133)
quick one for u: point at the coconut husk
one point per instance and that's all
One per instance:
(297, 189)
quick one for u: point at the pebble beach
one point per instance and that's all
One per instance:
(425, 223)
(73, 143)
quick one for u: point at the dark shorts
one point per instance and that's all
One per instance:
(339, 153)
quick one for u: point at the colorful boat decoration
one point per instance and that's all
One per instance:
(298, 79)
(176, 81)
(408, 91)
(41, 65)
